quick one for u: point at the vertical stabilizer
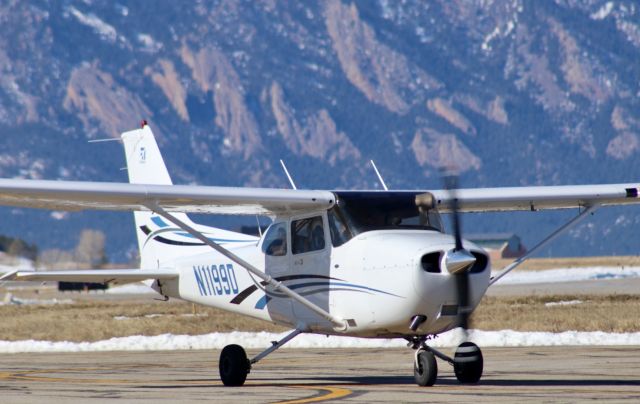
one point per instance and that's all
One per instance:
(146, 166)
(144, 161)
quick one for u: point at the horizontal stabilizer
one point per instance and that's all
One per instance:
(117, 276)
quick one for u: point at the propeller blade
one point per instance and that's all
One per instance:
(451, 184)
(459, 260)
(462, 282)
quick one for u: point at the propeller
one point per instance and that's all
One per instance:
(459, 261)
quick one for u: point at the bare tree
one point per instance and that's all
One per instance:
(56, 259)
(90, 249)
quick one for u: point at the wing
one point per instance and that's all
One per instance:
(538, 198)
(116, 276)
(72, 195)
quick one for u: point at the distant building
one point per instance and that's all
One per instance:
(499, 245)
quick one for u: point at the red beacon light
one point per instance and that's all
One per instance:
(143, 123)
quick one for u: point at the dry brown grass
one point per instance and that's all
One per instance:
(92, 321)
(95, 320)
(536, 264)
(616, 313)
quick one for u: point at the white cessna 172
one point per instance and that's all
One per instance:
(371, 264)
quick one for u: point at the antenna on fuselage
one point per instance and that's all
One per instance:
(379, 176)
(107, 140)
(293, 185)
(259, 226)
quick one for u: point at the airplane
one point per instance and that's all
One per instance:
(370, 264)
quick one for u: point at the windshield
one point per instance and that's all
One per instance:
(366, 211)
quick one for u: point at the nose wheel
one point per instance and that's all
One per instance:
(467, 362)
(425, 368)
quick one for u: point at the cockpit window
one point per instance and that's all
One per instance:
(275, 241)
(340, 233)
(307, 235)
(366, 211)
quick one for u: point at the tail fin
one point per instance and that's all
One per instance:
(158, 240)
(144, 161)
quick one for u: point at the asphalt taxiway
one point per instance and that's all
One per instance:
(559, 374)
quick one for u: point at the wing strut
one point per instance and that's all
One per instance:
(550, 238)
(340, 324)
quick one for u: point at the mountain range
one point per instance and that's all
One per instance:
(509, 92)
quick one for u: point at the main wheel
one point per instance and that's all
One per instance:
(234, 365)
(468, 363)
(426, 370)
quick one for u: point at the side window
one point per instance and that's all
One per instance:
(339, 232)
(307, 235)
(275, 241)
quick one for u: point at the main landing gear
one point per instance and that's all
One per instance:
(467, 362)
(234, 365)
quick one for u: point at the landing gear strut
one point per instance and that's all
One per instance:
(467, 362)
(234, 365)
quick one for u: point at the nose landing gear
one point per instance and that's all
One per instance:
(425, 368)
(467, 362)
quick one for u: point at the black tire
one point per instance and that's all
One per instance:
(468, 363)
(234, 365)
(425, 371)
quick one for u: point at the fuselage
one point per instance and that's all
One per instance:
(376, 281)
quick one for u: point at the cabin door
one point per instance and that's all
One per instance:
(310, 263)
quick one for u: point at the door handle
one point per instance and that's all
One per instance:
(298, 262)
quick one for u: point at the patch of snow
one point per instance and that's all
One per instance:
(260, 340)
(309, 14)
(569, 275)
(422, 35)
(58, 215)
(632, 31)
(387, 11)
(603, 12)
(119, 318)
(563, 303)
(122, 10)
(487, 39)
(621, 220)
(103, 29)
(510, 26)
(15, 263)
(10, 300)
(149, 44)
